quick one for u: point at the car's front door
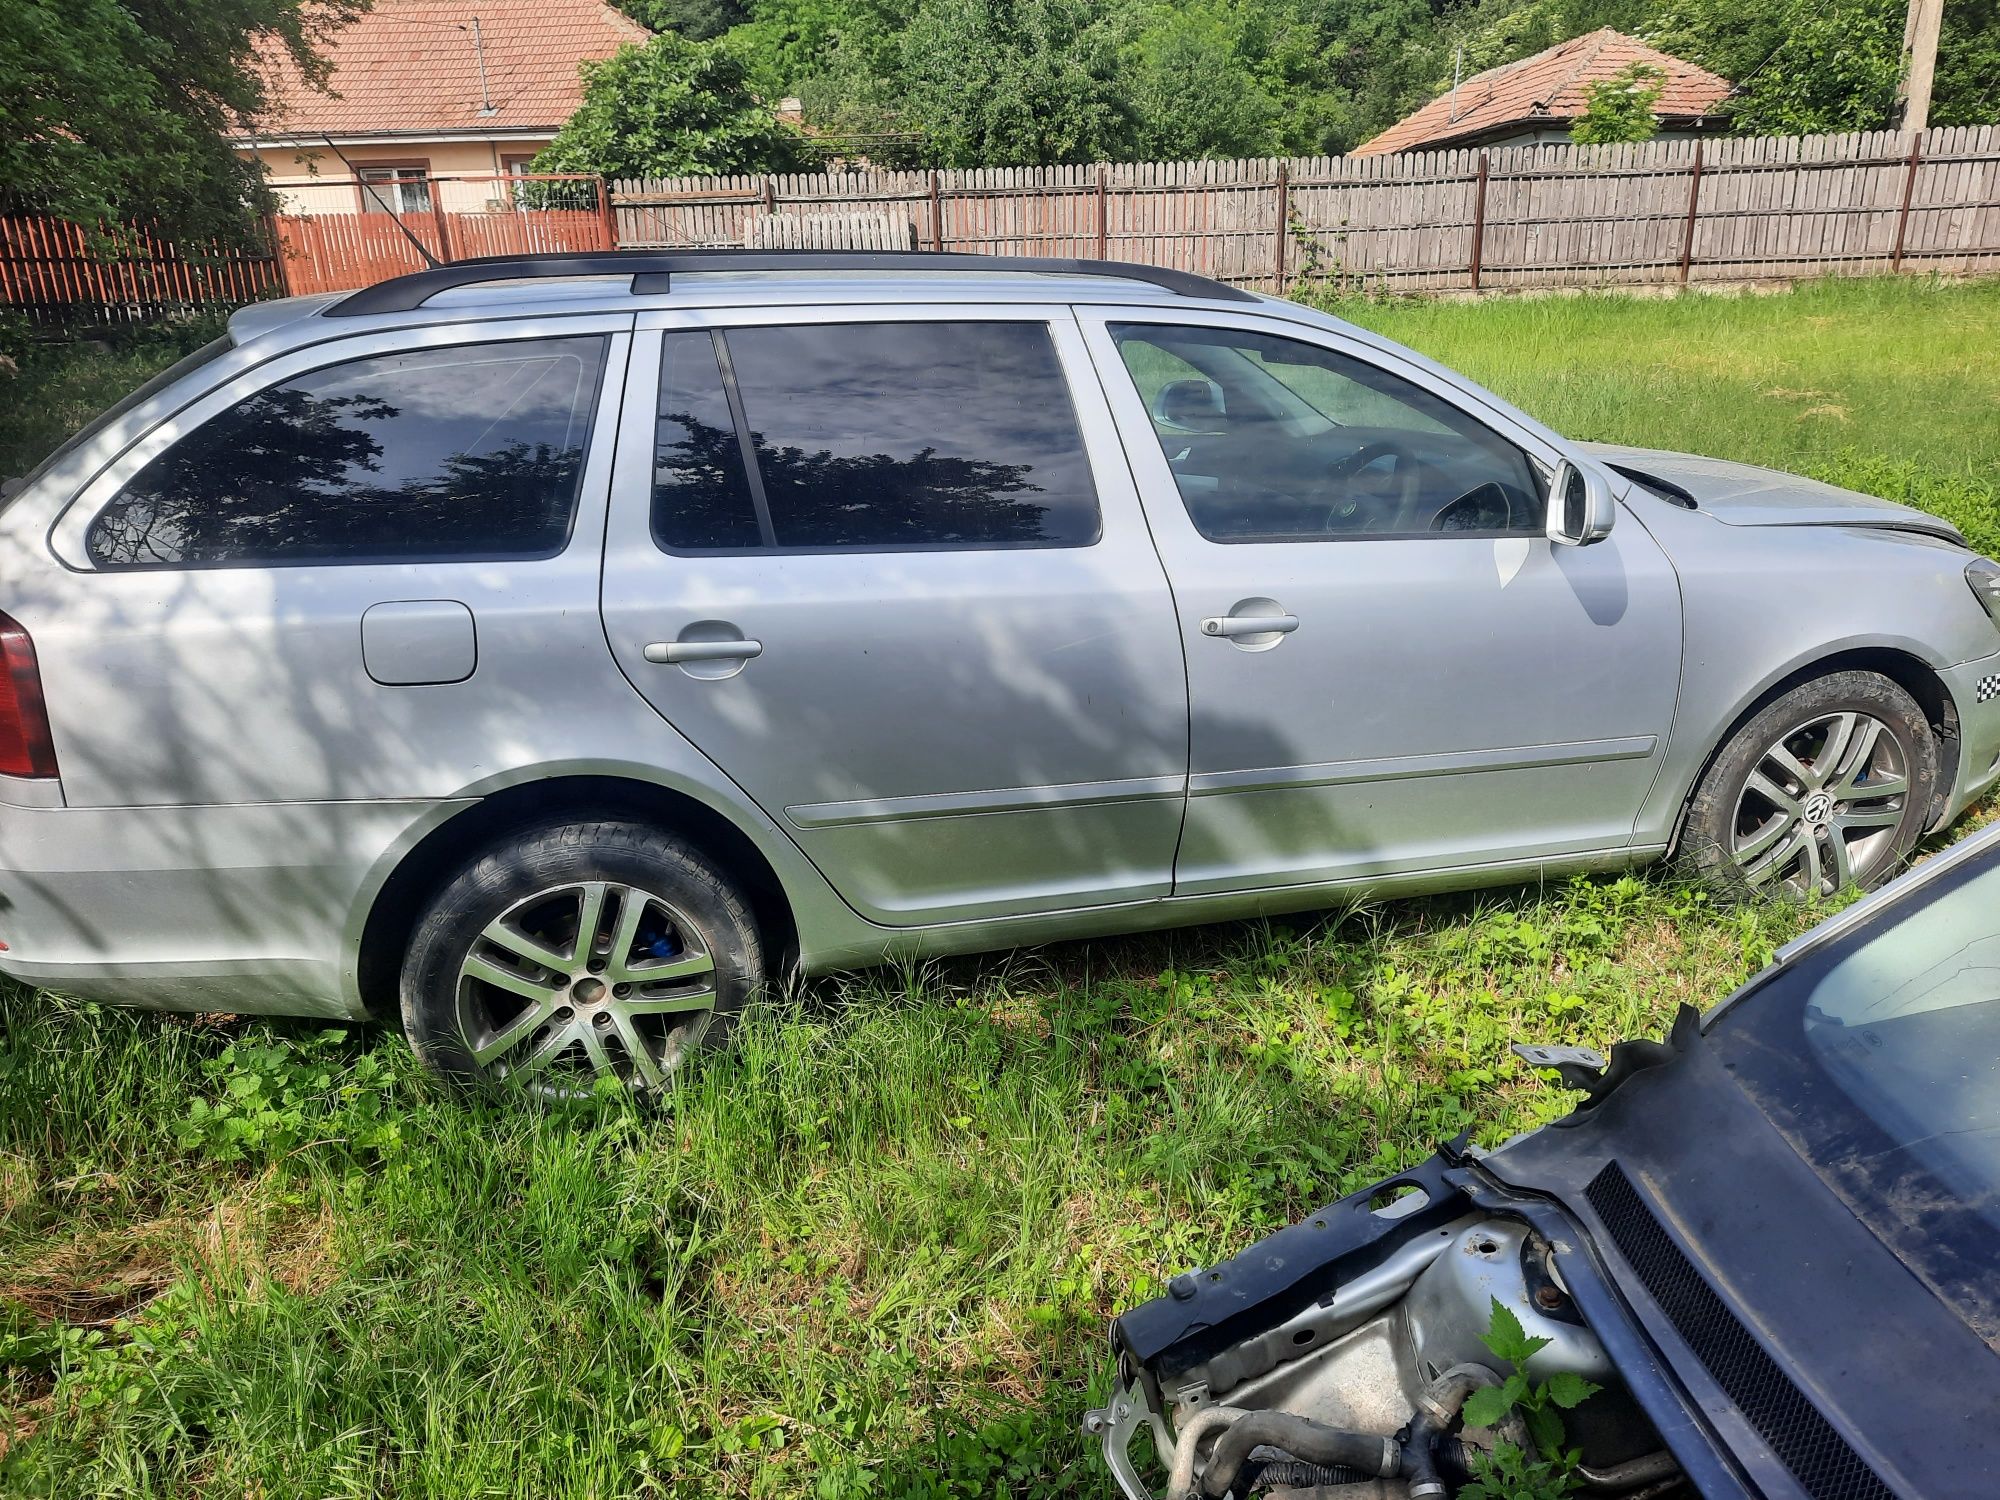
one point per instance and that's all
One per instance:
(1391, 668)
(886, 567)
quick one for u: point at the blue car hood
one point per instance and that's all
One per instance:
(1746, 495)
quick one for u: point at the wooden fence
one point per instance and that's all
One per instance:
(50, 270)
(53, 272)
(1664, 212)
(338, 252)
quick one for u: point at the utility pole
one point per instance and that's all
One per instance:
(1920, 43)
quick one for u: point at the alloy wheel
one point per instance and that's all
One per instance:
(1821, 806)
(585, 980)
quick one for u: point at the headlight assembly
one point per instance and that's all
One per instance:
(1984, 575)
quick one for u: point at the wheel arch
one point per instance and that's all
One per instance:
(1907, 670)
(399, 900)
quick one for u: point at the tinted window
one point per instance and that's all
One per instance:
(1270, 439)
(883, 435)
(464, 452)
(701, 496)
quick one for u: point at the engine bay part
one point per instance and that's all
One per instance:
(1360, 1392)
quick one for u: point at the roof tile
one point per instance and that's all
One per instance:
(1548, 86)
(411, 66)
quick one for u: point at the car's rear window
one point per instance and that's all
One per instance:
(870, 437)
(472, 451)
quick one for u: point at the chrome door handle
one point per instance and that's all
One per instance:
(666, 652)
(1235, 625)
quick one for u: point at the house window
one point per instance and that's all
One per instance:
(395, 187)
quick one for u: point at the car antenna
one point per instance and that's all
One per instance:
(422, 249)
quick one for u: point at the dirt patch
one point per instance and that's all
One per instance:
(95, 1279)
(17, 1184)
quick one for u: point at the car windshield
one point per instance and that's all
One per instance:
(1878, 1057)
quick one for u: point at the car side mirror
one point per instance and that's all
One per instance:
(1189, 403)
(1581, 509)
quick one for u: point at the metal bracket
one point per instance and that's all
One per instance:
(1581, 1068)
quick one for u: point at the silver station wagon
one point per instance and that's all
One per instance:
(550, 651)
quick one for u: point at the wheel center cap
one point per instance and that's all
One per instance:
(588, 991)
(1818, 809)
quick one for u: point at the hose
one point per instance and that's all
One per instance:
(1180, 1477)
(1630, 1474)
(1299, 1437)
(1437, 1408)
(1297, 1474)
(1415, 1458)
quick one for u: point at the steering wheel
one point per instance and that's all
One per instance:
(1346, 512)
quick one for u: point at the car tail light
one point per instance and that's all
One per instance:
(26, 746)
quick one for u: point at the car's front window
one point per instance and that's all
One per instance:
(1879, 1059)
(1272, 439)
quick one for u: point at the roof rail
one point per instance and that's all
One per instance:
(652, 270)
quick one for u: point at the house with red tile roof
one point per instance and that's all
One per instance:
(1538, 98)
(425, 99)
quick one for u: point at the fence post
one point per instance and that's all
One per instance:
(437, 218)
(1694, 202)
(1284, 219)
(278, 253)
(1103, 221)
(608, 214)
(937, 216)
(1909, 186)
(1479, 220)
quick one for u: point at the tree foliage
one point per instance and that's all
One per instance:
(954, 82)
(670, 108)
(696, 20)
(1193, 89)
(1620, 109)
(1013, 82)
(119, 109)
(1806, 66)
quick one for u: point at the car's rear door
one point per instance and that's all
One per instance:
(1391, 668)
(886, 566)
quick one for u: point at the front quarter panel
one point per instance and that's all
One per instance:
(1763, 603)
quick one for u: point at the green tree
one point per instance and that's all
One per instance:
(1191, 93)
(671, 108)
(119, 109)
(697, 20)
(1005, 83)
(1967, 87)
(1803, 66)
(1620, 108)
(785, 42)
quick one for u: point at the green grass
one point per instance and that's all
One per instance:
(1888, 386)
(57, 388)
(869, 1249)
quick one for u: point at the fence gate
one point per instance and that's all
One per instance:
(467, 216)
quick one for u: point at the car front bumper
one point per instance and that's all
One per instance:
(1975, 694)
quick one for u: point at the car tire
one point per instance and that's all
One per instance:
(1828, 785)
(573, 952)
